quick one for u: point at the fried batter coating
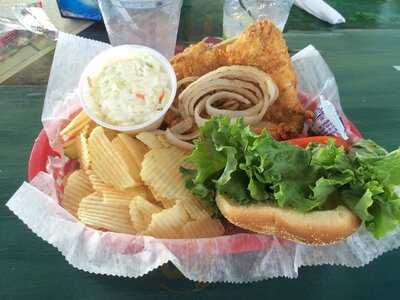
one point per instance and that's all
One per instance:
(261, 45)
(197, 60)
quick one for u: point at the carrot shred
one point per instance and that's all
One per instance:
(140, 96)
(161, 96)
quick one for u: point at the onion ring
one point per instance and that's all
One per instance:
(233, 91)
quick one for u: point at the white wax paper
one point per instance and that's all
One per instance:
(223, 259)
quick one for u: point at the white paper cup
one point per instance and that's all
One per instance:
(99, 61)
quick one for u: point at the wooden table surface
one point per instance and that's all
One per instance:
(363, 62)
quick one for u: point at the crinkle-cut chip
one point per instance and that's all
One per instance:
(108, 163)
(75, 126)
(111, 134)
(142, 191)
(137, 219)
(165, 201)
(97, 213)
(146, 193)
(135, 147)
(100, 186)
(203, 228)
(89, 128)
(97, 183)
(151, 197)
(141, 210)
(150, 139)
(195, 208)
(133, 167)
(163, 140)
(156, 139)
(77, 186)
(70, 149)
(83, 149)
(125, 196)
(160, 172)
(168, 223)
(66, 177)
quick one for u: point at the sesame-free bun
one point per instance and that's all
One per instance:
(316, 227)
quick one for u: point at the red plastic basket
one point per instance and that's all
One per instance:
(245, 242)
(40, 153)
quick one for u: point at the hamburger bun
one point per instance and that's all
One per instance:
(316, 227)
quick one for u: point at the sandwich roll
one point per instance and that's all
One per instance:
(316, 227)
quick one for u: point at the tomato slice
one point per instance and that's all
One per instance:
(303, 142)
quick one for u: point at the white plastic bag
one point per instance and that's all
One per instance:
(238, 14)
(22, 26)
(318, 92)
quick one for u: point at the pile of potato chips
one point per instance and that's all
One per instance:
(131, 184)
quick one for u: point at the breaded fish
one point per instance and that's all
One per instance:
(261, 45)
(197, 60)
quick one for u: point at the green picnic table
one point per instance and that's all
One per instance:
(363, 54)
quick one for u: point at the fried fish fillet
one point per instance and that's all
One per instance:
(261, 45)
(197, 60)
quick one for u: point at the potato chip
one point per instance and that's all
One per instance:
(195, 208)
(160, 172)
(137, 219)
(150, 139)
(144, 192)
(110, 134)
(100, 186)
(70, 149)
(108, 163)
(97, 183)
(66, 177)
(163, 140)
(125, 196)
(76, 125)
(83, 149)
(97, 213)
(154, 139)
(77, 186)
(151, 197)
(89, 128)
(146, 207)
(129, 159)
(165, 201)
(141, 210)
(203, 228)
(168, 223)
(135, 147)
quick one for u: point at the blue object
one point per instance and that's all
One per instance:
(80, 9)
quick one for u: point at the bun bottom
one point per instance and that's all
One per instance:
(316, 227)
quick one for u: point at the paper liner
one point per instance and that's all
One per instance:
(237, 258)
(209, 260)
(71, 56)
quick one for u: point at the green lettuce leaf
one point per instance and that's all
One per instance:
(364, 149)
(379, 174)
(230, 159)
(385, 216)
(207, 160)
